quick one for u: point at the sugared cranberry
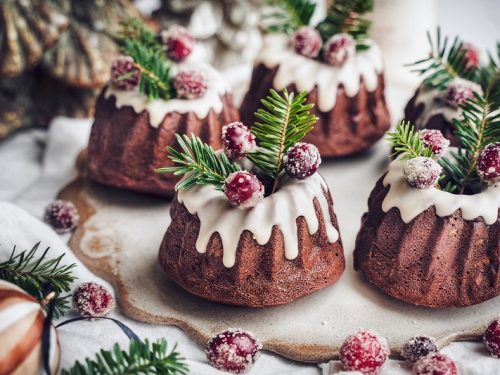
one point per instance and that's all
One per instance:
(243, 189)
(471, 54)
(62, 216)
(365, 351)
(302, 160)
(460, 90)
(421, 172)
(491, 338)
(435, 364)
(418, 347)
(348, 373)
(338, 49)
(124, 75)
(435, 140)
(178, 42)
(307, 42)
(488, 164)
(92, 300)
(190, 84)
(233, 350)
(237, 140)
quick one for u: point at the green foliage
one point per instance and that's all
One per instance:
(141, 358)
(30, 272)
(406, 141)
(284, 121)
(478, 126)
(347, 16)
(289, 15)
(135, 29)
(445, 61)
(200, 164)
(488, 71)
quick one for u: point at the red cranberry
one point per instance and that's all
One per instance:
(435, 140)
(338, 49)
(243, 189)
(92, 300)
(124, 75)
(488, 164)
(435, 364)
(492, 338)
(421, 172)
(365, 351)
(460, 90)
(302, 160)
(472, 55)
(307, 42)
(237, 140)
(418, 347)
(190, 84)
(178, 42)
(233, 350)
(62, 216)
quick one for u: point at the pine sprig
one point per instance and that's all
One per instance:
(288, 15)
(141, 358)
(199, 162)
(135, 29)
(347, 16)
(406, 141)
(31, 272)
(488, 71)
(284, 121)
(445, 62)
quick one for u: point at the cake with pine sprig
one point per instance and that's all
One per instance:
(335, 62)
(431, 235)
(254, 224)
(156, 91)
(452, 73)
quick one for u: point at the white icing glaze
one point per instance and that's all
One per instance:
(306, 73)
(411, 201)
(292, 200)
(159, 108)
(434, 103)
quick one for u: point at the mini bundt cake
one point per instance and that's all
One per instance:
(342, 75)
(431, 245)
(136, 119)
(245, 237)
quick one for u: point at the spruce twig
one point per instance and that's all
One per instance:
(289, 15)
(406, 141)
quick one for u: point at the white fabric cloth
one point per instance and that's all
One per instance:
(34, 165)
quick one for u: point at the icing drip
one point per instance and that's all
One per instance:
(306, 73)
(411, 201)
(434, 103)
(159, 108)
(292, 200)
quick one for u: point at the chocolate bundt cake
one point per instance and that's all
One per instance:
(349, 99)
(430, 247)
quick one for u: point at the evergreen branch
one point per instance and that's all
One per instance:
(488, 71)
(135, 29)
(289, 15)
(31, 273)
(445, 62)
(285, 120)
(406, 141)
(199, 163)
(347, 16)
(141, 358)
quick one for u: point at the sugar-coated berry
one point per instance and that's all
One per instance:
(124, 75)
(92, 300)
(348, 373)
(435, 364)
(365, 351)
(435, 140)
(418, 347)
(302, 160)
(243, 189)
(62, 216)
(178, 43)
(237, 140)
(338, 49)
(190, 84)
(421, 172)
(488, 164)
(460, 90)
(307, 41)
(233, 351)
(491, 338)
(472, 55)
